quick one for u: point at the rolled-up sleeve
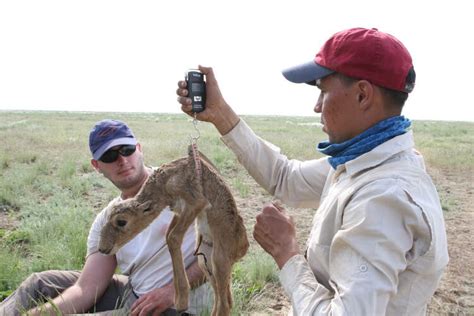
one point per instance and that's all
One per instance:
(295, 183)
(94, 232)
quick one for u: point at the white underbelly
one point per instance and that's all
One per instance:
(202, 227)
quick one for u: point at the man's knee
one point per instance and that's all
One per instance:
(48, 283)
(37, 287)
(33, 281)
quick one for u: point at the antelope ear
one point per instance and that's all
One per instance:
(145, 206)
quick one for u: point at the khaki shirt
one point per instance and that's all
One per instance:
(378, 242)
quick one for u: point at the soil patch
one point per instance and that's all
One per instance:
(7, 216)
(455, 294)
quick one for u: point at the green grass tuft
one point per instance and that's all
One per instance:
(249, 277)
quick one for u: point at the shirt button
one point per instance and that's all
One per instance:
(363, 268)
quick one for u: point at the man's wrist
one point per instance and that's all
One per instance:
(283, 259)
(225, 120)
(197, 282)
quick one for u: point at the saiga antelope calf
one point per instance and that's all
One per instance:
(221, 234)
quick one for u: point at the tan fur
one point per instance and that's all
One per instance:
(222, 239)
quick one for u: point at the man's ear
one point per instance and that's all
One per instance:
(365, 94)
(95, 164)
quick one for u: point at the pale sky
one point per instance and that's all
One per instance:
(128, 55)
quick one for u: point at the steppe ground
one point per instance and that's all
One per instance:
(40, 149)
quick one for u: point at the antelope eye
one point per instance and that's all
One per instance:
(121, 222)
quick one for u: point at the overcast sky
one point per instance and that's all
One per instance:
(128, 55)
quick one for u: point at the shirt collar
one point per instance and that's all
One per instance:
(381, 153)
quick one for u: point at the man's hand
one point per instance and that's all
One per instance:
(154, 302)
(217, 111)
(275, 232)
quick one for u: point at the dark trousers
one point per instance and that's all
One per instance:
(117, 299)
(42, 286)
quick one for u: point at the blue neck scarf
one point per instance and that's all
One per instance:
(364, 142)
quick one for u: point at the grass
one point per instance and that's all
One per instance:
(446, 145)
(249, 278)
(49, 188)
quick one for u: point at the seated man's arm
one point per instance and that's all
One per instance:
(160, 299)
(93, 281)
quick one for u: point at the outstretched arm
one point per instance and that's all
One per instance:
(95, 277)
(296, 183)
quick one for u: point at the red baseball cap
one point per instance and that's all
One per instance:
(362, 54)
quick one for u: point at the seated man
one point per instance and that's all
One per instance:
(146, 283)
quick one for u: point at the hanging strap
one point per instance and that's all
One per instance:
(197, 161)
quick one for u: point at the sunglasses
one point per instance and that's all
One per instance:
(112, 155)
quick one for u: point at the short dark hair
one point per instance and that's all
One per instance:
(392, 97)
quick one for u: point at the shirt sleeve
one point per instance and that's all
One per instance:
(94, 233)
(295, 183)
(366, 255)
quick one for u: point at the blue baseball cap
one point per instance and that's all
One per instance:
(308, 72)
(107, 134)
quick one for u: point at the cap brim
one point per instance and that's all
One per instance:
(112, 143)
(308, 73)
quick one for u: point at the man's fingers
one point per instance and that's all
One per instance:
(137, 307)
(184, 101)
(270, 209)
(136, 304)
(186, 109)
(278, 204)
(143, 312)
(260, 228)
(258, 233)
(145, 309)
(261, 237)
(136, 311)
(182, 92)
(274, 209)
(182, 84)
(209, 73)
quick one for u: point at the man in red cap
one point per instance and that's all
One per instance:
(378, 242)
(145, 285)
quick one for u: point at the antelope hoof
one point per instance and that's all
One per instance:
(181, 305)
